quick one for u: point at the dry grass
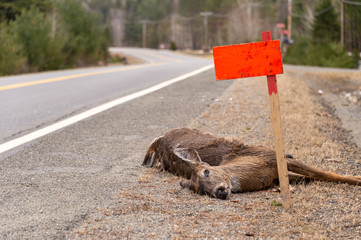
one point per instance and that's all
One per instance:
(157, 208)
(335, 76)
(312, 135)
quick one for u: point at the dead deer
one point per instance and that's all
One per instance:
(219, 167)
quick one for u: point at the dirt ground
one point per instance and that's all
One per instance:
(155, 207)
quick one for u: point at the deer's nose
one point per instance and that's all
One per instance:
(222, 193)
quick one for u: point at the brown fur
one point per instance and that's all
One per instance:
(218, 166)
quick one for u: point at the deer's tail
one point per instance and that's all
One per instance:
(150, 157)
(317, 174)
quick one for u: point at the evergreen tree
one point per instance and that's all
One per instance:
(37, 35)
(10, 51)
(32, 30)
(10, 9)
(326, 26)
(353, 27)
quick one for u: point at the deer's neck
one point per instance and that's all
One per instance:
(233, 176)
(235, 184)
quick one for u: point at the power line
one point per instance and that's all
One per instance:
(325, 10)
(328, 9)
(351, 2)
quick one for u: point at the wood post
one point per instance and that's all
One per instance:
(277, 132)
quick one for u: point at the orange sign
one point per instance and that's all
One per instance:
(248, 60)
(252, 60)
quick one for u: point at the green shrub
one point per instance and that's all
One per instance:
(173, 46)
(334, 55)
(296, 53)
(10, 57)
(62, 35)
(33, 31)
(304, 52)
(87, 42)
(326, 27)
(75, 39)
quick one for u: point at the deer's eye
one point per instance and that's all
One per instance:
(206, 173)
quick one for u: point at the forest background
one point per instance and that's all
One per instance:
(38, 35)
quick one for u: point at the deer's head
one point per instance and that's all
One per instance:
(205, 179)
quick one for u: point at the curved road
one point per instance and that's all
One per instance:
(32, 101)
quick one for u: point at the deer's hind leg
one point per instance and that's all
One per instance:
(297, 178)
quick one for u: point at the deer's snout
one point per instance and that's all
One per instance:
(222, 192)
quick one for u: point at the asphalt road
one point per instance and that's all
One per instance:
(32, 101)
(50, 186)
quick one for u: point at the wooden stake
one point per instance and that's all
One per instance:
(258, 59)
(277, 132)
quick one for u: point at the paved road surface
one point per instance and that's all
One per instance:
(32, 101)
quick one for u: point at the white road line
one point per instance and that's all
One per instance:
(91, 112)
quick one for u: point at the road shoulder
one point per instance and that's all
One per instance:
(155, 207)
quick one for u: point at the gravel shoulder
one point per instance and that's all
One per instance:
(152, 205)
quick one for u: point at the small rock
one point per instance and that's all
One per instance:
(352, 99)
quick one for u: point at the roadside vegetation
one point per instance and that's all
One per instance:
(38, 35)
(322, 46)
(180, 25)
(49, 35)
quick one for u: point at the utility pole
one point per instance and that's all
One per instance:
(144, 32)
(174, 15)
(342, 23)
(205, 21)
(289, 25)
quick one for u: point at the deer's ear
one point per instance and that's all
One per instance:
(188, 155)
